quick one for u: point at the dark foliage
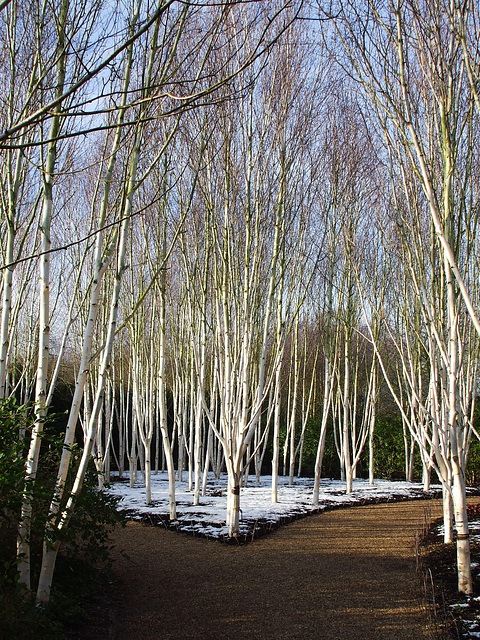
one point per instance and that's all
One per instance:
(83, 559)
(454, 615)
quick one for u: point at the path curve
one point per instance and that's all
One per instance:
(340, 575)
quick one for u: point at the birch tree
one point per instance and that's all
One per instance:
(424, 106)
(171, 57)
(62, 44)
(58, 518)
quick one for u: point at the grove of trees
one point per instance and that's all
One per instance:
(235, 235)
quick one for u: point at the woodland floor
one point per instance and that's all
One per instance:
(341, 575)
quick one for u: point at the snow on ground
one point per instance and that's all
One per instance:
(258, 514)
(467, 610)
(474, 529)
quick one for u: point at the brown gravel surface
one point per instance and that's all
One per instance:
(342, 575)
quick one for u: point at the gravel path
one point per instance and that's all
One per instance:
(341, 575)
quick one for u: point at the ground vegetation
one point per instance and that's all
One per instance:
(241, 237)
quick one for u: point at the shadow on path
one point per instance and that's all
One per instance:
(341, 575)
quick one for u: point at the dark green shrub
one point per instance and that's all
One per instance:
(389, 449)
(472, 474)
(85, 541)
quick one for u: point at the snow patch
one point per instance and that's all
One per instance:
(258, 514)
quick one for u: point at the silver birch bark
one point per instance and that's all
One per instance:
(328, 375)
(443, 174)
(23, 542)
(101, 261)
(50, 550)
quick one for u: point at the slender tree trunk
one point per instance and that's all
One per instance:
(23, 538)
(346, 419)
(167, 448)
(49, 553)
